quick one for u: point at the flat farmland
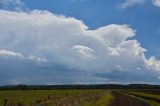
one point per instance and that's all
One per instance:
(79, 98)
(55, 98)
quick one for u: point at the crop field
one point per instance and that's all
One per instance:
(55, 98)
(79, 98)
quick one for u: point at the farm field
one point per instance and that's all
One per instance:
(79, 98)
(56, 98)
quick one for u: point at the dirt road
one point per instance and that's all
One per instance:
(125, 100)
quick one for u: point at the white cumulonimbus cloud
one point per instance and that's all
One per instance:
(66, 51)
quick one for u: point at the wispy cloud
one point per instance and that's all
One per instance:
(130, 3)
(156, 3)
(7, 53)
(16, 55)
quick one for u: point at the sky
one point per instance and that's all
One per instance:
(79, 42)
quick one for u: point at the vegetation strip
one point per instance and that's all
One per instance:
(105, 100)
(137, 94)
(150, 102)
(148, 91)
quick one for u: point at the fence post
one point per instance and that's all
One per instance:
(5, 102)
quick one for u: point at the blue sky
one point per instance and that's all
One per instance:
(103, 41)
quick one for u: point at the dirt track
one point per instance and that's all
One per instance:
(124, 100)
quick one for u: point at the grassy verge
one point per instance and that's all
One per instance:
(105, 100)
(142, 96)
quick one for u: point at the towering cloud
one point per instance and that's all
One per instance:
(49, 49)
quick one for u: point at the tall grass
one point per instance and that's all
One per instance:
(106, 99)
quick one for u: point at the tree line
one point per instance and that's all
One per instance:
(70, 87)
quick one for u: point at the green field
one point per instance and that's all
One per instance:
(56, 97)
(76, 98)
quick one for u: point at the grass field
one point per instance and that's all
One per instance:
(78, 98)
(56, 97)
